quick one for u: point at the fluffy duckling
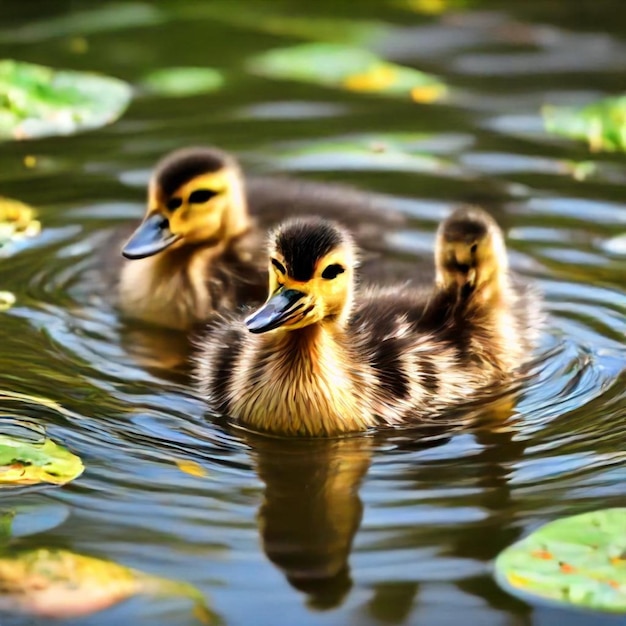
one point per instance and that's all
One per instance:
(311, 362)
(191, 253)
(198, 248)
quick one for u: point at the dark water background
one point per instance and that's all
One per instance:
(360, 531)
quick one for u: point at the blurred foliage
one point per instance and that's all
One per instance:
(433, 7)
(112, 16)
(183, 81)
(579, 560)
(267, 18)
(602, 124)
(349, 68)
(37, 101)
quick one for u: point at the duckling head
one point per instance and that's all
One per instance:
(311, 273)
(470, 251)
(196, 196)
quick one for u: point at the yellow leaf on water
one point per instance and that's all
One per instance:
(17, 220)
(428, 7)
(58, 584)
(377, 78)
(426, 94)
(190, 467)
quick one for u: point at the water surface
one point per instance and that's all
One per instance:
(394, 530)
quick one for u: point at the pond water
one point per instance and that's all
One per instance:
(396, 530)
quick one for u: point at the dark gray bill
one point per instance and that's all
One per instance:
(152, 236)
(281, 307)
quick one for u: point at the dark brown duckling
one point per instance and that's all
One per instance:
(315, 360)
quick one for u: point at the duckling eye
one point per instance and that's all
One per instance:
(200, 196)
(173, 203)
(332, 271)
(279, 266)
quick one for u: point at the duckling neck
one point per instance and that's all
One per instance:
(302, 382)
(169, 288)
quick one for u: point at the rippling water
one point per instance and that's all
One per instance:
(397, 529)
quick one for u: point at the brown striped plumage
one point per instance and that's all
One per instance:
(314, 364)
(198, 249)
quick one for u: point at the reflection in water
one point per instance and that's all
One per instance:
(311, 510)
(161, 351)
(311, 507)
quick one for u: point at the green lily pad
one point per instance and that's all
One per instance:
(38, 101)
(350, 68)
(59, 584)
(24, 462)
(579, 560)
(183, 81)
(602, 124)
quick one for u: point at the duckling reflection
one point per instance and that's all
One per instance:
(311, 510)
(163, 352)
(486, 474)
(198, 249)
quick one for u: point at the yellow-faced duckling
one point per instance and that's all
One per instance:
(198, 249)
(315, 361)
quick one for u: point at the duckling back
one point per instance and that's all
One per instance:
(498, 315)
(400, 355)
(200, 245)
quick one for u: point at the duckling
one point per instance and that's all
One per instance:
(500, 314)
(313, 361)
(198, 249)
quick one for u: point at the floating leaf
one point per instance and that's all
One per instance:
(191, 467)
(183, 81)
(16, 220)
(347, 67)
(38, 101)
(602, 125)
(25, 462)
(578, 560)
(54, 583)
